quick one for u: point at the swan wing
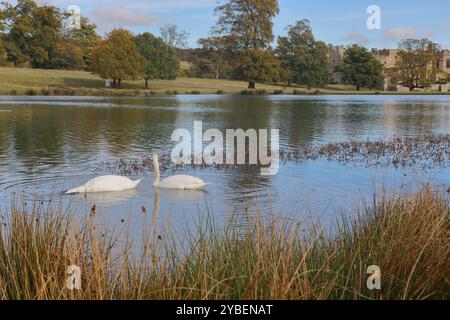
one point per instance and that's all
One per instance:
(106, 184)
(182, 182)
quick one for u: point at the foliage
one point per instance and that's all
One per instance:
(118, 58)
(258, 66)
(3, 56)
(361, 69)
(215, 57)
(67, 56)
(161, 61)
(86, 38)
(304, 59)
(33, 30)
(247, 25)
(249, 22)
(415, 67)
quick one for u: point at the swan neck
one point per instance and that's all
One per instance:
(156, 174)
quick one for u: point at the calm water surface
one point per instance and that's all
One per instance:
(50, 144)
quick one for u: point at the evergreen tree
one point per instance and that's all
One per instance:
(304, 59)
(361, 69)
(161, 60)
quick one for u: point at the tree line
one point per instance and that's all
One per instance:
(240, 46)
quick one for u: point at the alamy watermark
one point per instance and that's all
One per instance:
(73, 281)
(231, 148)
(374, 280)
(73, 21)
(374, 19)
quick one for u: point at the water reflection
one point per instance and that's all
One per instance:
(109, 198)
(50, 143)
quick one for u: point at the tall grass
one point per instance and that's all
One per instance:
(406, 236)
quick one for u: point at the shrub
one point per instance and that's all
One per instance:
(45, 92)
(30, 92)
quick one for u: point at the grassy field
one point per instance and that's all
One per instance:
(407, 236)
(24, 81)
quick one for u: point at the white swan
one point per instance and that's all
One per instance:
(180, 182)
(106, 184)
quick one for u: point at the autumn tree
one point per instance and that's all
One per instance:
(304, 59)
(249, 24)
(3, 56)
(248, 21)
(161, 60)
(67, 55)
(85, 37)
(415, 67)
(118, 58)
(361, 69)
(257, 66)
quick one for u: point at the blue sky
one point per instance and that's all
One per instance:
(336, 22)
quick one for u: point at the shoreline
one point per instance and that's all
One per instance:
(125, 93)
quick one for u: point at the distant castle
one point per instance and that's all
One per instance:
(389, 58)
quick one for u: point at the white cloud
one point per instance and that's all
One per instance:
(356, 36)
(116, 17)
(171, 4)
(400, 33)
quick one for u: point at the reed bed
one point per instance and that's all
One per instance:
(429, 151)
(407, 236)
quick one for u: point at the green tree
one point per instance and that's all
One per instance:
(415, 67)
(258, 66)
(304, 59)
(216, 56)
(118, 58)
(33, 30)
(161, 60)
(361, 69)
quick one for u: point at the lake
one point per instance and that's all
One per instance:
(51, 144)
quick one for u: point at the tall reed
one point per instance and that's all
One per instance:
(406, 236)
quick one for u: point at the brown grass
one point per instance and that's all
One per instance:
(407, 236)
